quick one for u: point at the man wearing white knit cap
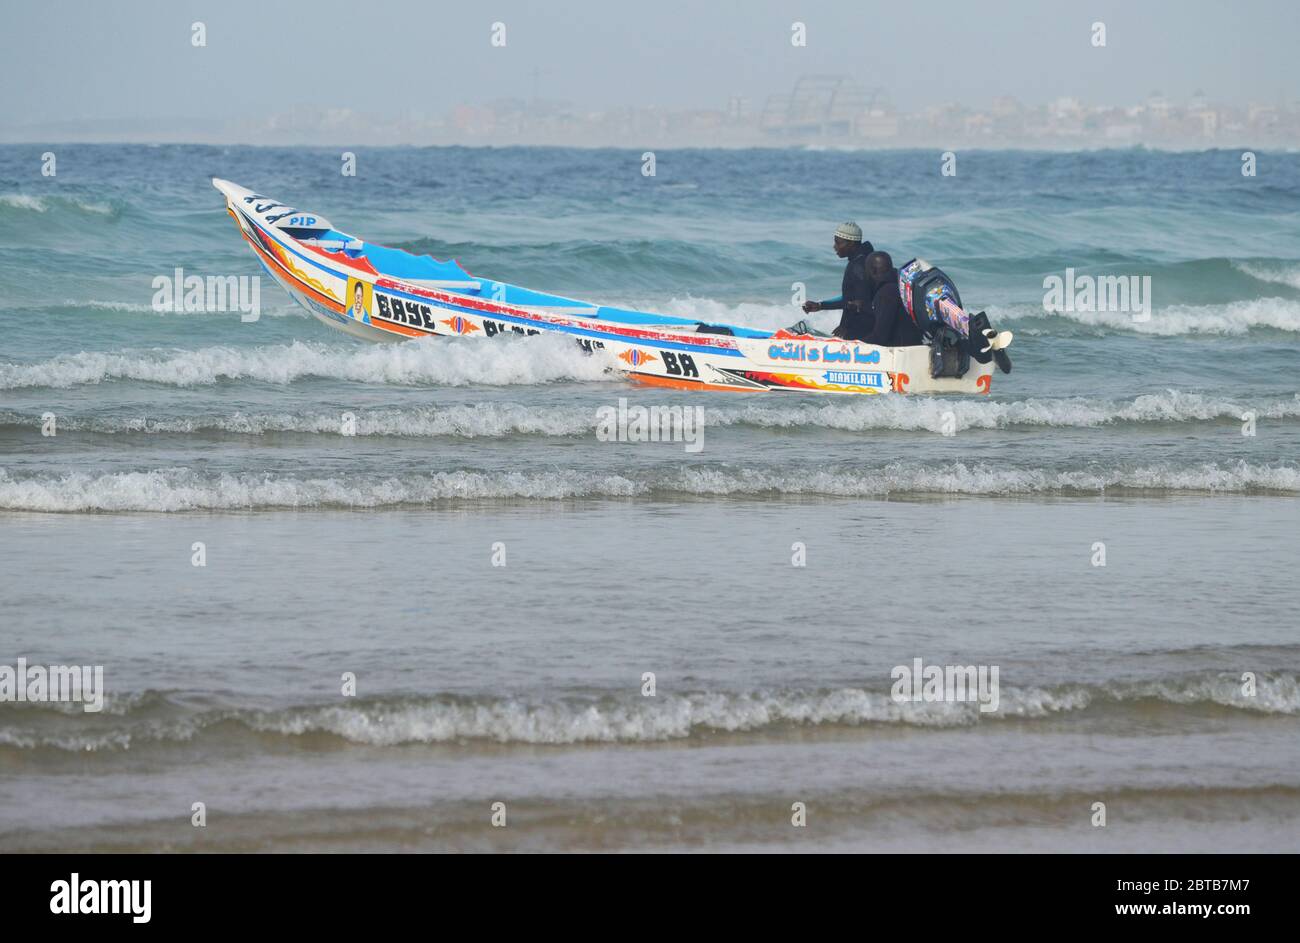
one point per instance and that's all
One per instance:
(856, 288)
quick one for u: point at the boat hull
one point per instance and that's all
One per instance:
(349, 295)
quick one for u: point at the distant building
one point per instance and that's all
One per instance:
(819, 106)
(819, 109)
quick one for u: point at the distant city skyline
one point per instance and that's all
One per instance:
(820, 110)
(130, 71)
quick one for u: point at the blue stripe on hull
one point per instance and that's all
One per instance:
(562, 328)
(556, 328)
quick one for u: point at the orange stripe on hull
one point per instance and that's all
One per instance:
(672, 383)
(306, 289)
(325, 299)
(400, 329)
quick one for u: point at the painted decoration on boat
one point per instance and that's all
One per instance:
(635, 357)
(359, 300)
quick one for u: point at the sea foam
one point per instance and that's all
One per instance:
(610, 718)
(179, 489)
(428, 362)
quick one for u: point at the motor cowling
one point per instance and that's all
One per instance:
(931, 299)
(954, 336)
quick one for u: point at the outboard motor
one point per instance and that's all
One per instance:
(931, 299)
(954, 336)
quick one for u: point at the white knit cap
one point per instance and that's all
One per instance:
(849, 232)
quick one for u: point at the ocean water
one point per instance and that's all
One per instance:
(522, 683)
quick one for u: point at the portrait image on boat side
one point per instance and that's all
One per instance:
(359, 291)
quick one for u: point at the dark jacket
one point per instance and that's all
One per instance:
(855, 295)
(891, 325)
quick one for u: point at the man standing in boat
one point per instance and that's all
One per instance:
(856, 288)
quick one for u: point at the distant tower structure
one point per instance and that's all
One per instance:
(819, 106)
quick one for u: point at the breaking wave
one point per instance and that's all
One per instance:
(24, 202)
(1276, 274)
(390, 721)
(758, 315)
(920, 414)
(442, 362)
(180, 489)
(275, 309)
(1233, 318)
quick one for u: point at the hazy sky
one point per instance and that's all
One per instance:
(132, 60)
